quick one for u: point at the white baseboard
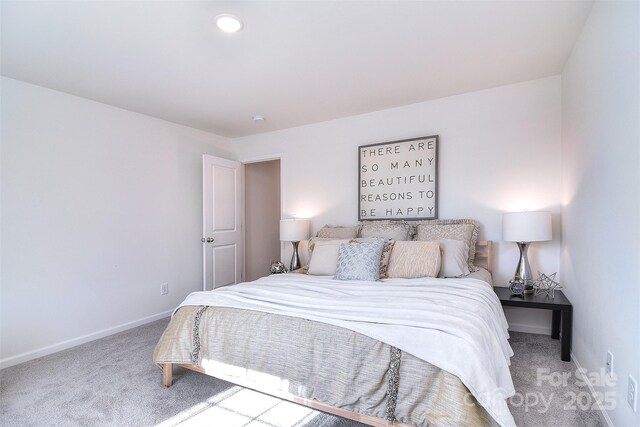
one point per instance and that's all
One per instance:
(603, 414)
(54, 348)
(521, 327)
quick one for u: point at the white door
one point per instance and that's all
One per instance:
(222, 219)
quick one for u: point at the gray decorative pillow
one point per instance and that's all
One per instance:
(465, 230)
(394, 230)
(384, 258)
(338, 232)
(359, 261)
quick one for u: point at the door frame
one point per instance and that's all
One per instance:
(258, 159)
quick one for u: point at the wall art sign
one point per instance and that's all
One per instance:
(398, 179)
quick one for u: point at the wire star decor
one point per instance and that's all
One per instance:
(546, 285)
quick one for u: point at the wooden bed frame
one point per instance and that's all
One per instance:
(484, 254)
(484, 258)
(167, 375)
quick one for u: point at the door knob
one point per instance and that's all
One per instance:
(208, 240)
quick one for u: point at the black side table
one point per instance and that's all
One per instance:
(560, 306)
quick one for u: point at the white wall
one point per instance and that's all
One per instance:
(499, 151)
(601, 200)
(99, 207)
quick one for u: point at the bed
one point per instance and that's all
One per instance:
(404, 352)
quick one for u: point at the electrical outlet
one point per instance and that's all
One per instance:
(610, 363)
(632, 393)
(164, 288)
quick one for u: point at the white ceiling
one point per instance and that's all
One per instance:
(294, 62)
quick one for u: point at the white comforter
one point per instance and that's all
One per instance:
(455, 324)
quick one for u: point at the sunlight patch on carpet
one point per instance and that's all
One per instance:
(240, 407)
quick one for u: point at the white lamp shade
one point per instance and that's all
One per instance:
(526, 226)
(294, 230)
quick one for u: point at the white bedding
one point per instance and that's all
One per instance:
(455, 324)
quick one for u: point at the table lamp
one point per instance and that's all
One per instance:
(524, 228)
(293, 230)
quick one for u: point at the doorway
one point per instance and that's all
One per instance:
(262, 211)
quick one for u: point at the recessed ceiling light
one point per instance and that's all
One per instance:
(258, 119)
(228, 23)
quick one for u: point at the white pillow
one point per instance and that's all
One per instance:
(324, 257)
(454, 258)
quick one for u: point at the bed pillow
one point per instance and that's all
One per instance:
(324, 257)
(338, 232)
(314, 240)
(454, 254)
(386, 253)
(359, 261)
(413, 259)
(465, 230)
(394, 230)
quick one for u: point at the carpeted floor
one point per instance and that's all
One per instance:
(112, 382)
(541, 398)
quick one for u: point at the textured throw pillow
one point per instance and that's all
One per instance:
(384, 258)
(465, 230)
(454, 258)
(386, 253)
(394, 230)
(324, 257)
(413, 259)
(338, 232)
(359, 261)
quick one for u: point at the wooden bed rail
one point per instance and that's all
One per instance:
(167, 379)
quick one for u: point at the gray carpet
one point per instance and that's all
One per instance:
(112, 382)
(533, 352)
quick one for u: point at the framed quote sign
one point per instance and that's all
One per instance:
(398, 179)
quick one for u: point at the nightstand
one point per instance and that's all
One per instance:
(560, 306)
